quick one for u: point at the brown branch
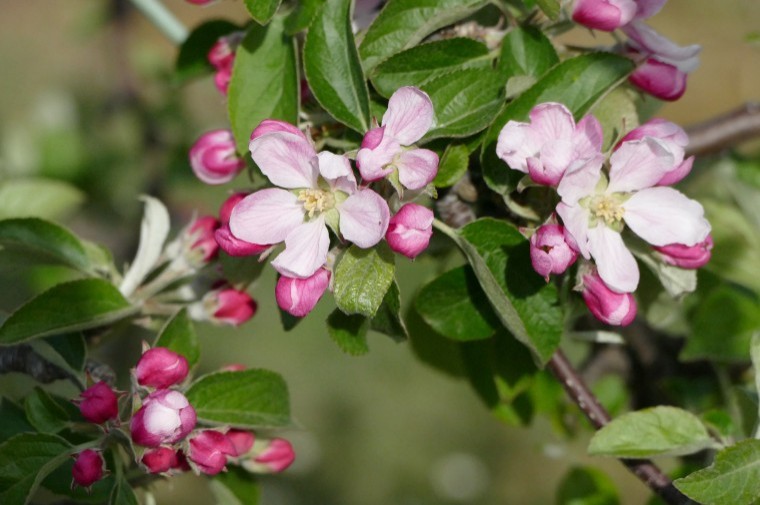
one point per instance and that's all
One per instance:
(23, 359)
(724, 131)
(645, 470)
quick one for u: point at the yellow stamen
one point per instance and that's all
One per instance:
(607, 208)
(316, 201)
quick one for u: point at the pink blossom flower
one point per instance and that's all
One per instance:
(552, 251)
(205, 244)
(226, 306)
(595, 210)
(209, 450)
(213, 157)
(666, 65)
(276, 455)
(385, 149)
(241, 440)
(163, 460)
(89, 467)
(606, 15)
(228, 242)
(674, 138)
(547, 146)
(160, 368)
(410, 230)
(326, 194)
(297, 296)
(683, 256)
(608, 306)
(222, 57)
(165, 417)
(98, 403)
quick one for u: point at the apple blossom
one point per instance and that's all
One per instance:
(297, 296)
(608, 306)
(315, 191)
(385, 149)
(213, 157)
(165, 417)
(162, 460)
(241, 440)
(225, 306)
(410, 230)
(160, 368)
(208, 451)
(205, 244)
(552, 251)
(224, 237)
(88, 468)
(98, 403)
(672, 136)
(683, 256)
(222, 57)
(275, 456)
(606, 15)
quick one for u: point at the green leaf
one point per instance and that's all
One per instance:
(332, 67)
(526, 51)
(262, 10)
(71, 347)
(192, 60)
(453, 165)
(44, 240)
(235, 487)
(25, 460)
(247, 399)
(388, 318)
(587, 486)
(754, 352)
(362, 278)
(549, 7)
(68, 307)
(122, 494)
(59, 483)
(456, 307)
(14, 420)
(405, 23)
(617, 114)
(301, 17)
(420, 64)
(48, 413)
(733, 479)
(657, 431)
(38, 197)
(264, 82)
(578, 83)
(349, 332)
(178, 335)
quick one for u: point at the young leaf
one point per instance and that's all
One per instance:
(67, 307)
(349, 332)
(48, 413)
(526, 51)
(38, 197)
(332, 67)
(192, 60)
(388, 318)
(154, 228)
(247, 399)
(405, 23)
(587, 486)
(264, 82)
(178, 334)
(25, 460)
(549, 7)
(301, 17)
(657, 431)
(733, 479)
(71, 347)
(45, 240)
(262, 10)
(235, 486)
(122, 494)
(362, 278)
(456, 307)
(14, 420)
(453, 165)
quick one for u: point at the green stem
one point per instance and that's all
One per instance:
(163, 19)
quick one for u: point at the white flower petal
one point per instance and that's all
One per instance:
(575, 218)
(364, 218)
(615, 263)
(664, 216)
(417, 168)
(266, 216)
(517, 142)
(409, 115)
(639, 164)
(580, 179)
(336, 170)
(552, 121)
(285, 158)
(305, 250)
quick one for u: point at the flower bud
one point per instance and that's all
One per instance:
(160, 368)
(98, 403)
(241, 440)
(209, 450)
(213, 157)
(605, 15)
(222, 79)
(684, 256)
(205, 244)
(617, 309)
(162, 460)
(227, 306)
(166, 417)
(299, 296)
(410, 229)
(276, 456)
(89, 467)
(222, 53)
(550, 251)
(228, 242)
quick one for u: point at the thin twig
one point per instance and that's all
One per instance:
(724, 131)
(23, 359)
(645, 470)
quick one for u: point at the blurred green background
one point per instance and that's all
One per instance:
(87, 98)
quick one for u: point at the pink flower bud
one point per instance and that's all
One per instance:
(617, 309)
(276, 456)
(162, 460)
(674, 138)
(241, 440)
(550, 252)
(209, 450)
(160, 368)
(222, 79)
(213, 157)
(410, 229)
(98, 403)
(659, 79)
(225, 211)
(166, 417)
(205, 243)
(228, 306)
(89, 467)
(684, 256)
(299, 296)
(222, 53)
(224, 237)
(605, 15)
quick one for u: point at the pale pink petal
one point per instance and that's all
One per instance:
(364, 218)
(235, 246)
(556, 157)
(580, 179)
(678, 173)
(664, 216)
(661, 129)
(517, 142)
(305, 250)
(606, 15)
(409, 115)
(648, 40)
(575, 218)
(639, 164)
(616, 265)
(285, 159)
(417, 168)
(299, 296)
(266, 216)
(661, 80)
(373, 163)
(373, 138)
(336, 170)
(588, 137)
(552, 121)
(276, 126)
(648, 8)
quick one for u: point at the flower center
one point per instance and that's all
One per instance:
(607, 208)
(316, 201)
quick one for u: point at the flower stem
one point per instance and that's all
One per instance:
(163, 19)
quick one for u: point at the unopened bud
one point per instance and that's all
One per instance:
(166, 417)
(209, 450)
(160, 368)
(551, 250)
(610, 307)
(299, 296)
(225, 306)
(275, 456)
(89, 467)
(684, 256)
(98, 403)
(214, 159)
(241, 440)
(163, 460)
(409, 231)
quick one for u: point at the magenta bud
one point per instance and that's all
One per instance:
(209, 450)
(550, 252)
(214, 159)
(166, 417)
(299, 296)
(659, 79)
(225, 211)
(98, 403)
(605, 15)
(222, 79)
(222, 53)
(160, 368)
(684, 256)
(241, 440)
(617, 309)
(89, 467)
(276, 456)
(228, 306)
(373, 138)
(162, 460)
(205, 243)
(409, 231)
(234, 246)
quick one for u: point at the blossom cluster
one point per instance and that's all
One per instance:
(663, 66)
(165, 427)
(600, 198)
